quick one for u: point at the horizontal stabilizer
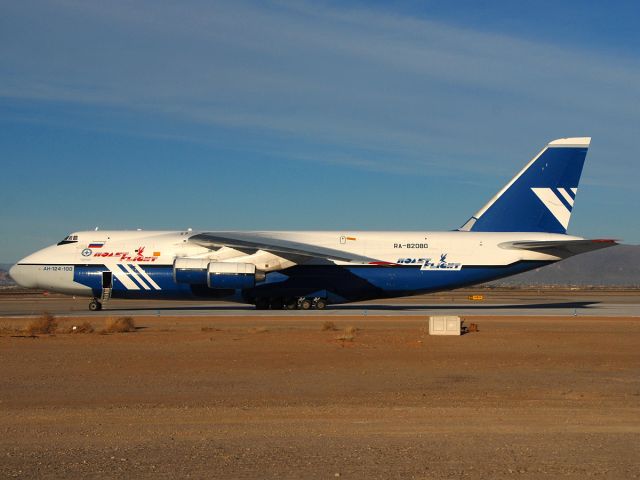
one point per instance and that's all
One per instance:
(560, 248)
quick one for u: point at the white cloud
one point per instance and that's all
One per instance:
(393, 93)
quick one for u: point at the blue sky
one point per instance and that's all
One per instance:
(288, 115)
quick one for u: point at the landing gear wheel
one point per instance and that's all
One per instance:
(305, 304)
(95, 305)
(291, 304)
(262, 304)
(320, 304)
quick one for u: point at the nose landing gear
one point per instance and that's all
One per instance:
(107, 288)
(95, 305)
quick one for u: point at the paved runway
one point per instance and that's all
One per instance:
(510, 303)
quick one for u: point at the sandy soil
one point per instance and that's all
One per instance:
(233, 397)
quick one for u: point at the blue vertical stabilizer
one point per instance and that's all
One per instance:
(541, 197)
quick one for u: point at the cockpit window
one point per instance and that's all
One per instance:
(69, 239)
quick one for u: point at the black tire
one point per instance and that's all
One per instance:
(291, 303)
(94, 306)
(321, 304)
(305, 304)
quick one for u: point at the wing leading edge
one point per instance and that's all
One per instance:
(253, 242)
(560, 248)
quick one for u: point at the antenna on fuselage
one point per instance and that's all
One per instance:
(96, 229)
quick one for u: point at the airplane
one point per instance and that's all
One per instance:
(523, 227)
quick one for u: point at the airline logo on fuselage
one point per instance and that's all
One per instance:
(138, 256)
(428, 264)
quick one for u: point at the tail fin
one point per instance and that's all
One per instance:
(540, 198)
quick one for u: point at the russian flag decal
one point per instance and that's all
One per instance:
(96, 245)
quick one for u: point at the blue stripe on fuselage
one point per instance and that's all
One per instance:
(348, 283)
(131, 277)
(141, 278)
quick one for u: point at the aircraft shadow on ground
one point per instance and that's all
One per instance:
(515, 306)
(193, 308)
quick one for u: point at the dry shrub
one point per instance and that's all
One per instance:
(46, 324)
(345, 337)
(120, 325)
(351, 330)
(348, 335)
(258, 330)
(84, 327)
(329, 326)
(209, 329)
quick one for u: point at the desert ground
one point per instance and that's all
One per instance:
(298, 396)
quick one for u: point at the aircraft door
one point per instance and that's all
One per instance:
(107, 283)
(107, 279)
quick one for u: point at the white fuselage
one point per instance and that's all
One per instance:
(128, 254)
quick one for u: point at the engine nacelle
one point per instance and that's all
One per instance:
(232, 275)
(223, 275)
(190, 270)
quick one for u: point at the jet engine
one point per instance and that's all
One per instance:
(218, 275)
(190, 270)
(232, 275)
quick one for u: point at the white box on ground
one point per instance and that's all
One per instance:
(444, 325)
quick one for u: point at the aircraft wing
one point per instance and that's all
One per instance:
(560, 248)
(252, 242)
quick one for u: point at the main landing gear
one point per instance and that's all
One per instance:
(95, 305)
(301, 303)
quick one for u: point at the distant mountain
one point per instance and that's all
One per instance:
(615, 266)
(5, 279)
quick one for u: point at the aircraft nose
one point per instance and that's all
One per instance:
(23, 275)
